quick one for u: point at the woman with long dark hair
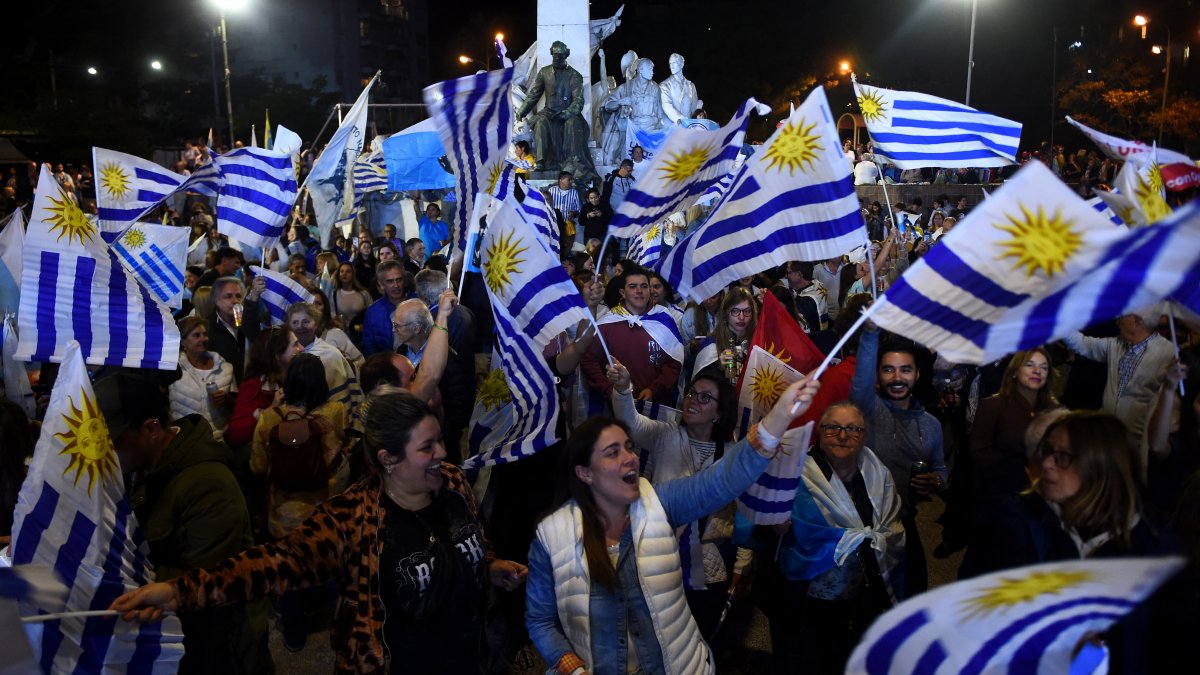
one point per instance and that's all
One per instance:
(604, 592)
(270, 355)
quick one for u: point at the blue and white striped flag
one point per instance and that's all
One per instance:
(258, 188)
(128, 188)
(1024, 620)
(525, 279)
(1104, 208)
(73, 516)
(769, 501)
(792, 200)
(331, 181)
(370, 173)
(689, 162)
(12, 248)
(501, 185)
(646, 245)
(280, 294)
(73, 288)
(204, 180)
(539, 214)
(16, 379)
(473, 116)
(157, 256)
(1033, 263)
(916, 130)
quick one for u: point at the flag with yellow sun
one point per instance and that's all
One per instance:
(73, 288)
(1025, 620)
(73, 516)
(1143, 184)
(1019, 271)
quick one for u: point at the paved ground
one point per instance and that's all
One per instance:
(317, 657)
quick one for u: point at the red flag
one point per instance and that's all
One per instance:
(779, 334)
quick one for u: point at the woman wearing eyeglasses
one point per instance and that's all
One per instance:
(737, 320)
(605, 594)
(712, 566)
(844, 554)
(1084, 503)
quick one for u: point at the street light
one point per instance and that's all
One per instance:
(91, 70)
(844, 67)
(233, 6)
(1143, 21)
(971, 51)
(156, 65)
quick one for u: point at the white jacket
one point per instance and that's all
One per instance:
(684, 651)
(189, 394)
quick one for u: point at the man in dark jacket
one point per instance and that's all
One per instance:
(192, 514)
(457, 385)
(227, 335)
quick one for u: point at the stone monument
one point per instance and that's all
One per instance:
(637, 102)
(679, 99)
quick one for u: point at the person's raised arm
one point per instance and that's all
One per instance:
(1158, 432)
(437, 349)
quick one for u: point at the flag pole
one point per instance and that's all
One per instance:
(816, 374)
(471, 234)
(603, 248)
(1174, 339)
(68, 615)
(603, 344)
(871, 264)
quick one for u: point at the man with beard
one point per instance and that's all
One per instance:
(901, 433)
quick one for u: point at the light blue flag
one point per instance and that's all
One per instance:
(128, 188)
(793, 199)
(12, 247)
(1024, 620)
(1034, 263)
(412, 157)
(281, 293)
(73, 288)
(687, 164)
(473, 117)
(646, 245)
(157, 256)
(73, 516)
(916, 130)
(258, 188)
(331, 181)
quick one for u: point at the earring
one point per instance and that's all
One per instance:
(716, 418)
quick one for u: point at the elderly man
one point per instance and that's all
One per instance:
(231, 330)
(1136, 361)
(560, 134)
(457, 384)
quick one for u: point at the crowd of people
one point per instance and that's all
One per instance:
(316, 463)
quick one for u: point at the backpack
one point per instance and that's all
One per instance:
(296, 453)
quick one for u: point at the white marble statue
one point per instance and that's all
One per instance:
(601, 90)
(637, 102)
(679, 99)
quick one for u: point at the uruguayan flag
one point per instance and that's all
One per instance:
(792, 200)
(917, 130)
(204, 180)
(1024, 620)
(689, 162)
(128, 188)
(157, 256)
(1142, 184)
(503, 185)
(473, 116)
(12, 247)
(1033, 263)
(658, 322)
(258, 188)
(769, 501)
(280, 294)
(1104, 208)
(527, 279)
(370, 173)
(1135, 152)
(73, 516)
(331, 181)
(646, 245)
(73, 288)
(539, 214)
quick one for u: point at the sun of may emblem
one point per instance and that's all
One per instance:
(779, 352)
(68, 220)
(115, 181)
(493, 177)
(684, 164)
(872, 105)
(502, 262)
(794, 148)
(493, 392)
(1012, 592)
(766, 384)
(1149, 193)
(134, 238)
(1039, 241)
(87, 443)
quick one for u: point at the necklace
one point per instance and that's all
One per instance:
(414, 514)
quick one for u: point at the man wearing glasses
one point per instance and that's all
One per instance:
(377, 323)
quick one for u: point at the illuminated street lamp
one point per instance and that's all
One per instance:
(222, 6)
(844, 67)
(156, 65)
(1142, 21)
(91, 70)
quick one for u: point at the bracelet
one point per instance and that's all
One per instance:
(768, 440)
(442, 328)
(569, 663)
